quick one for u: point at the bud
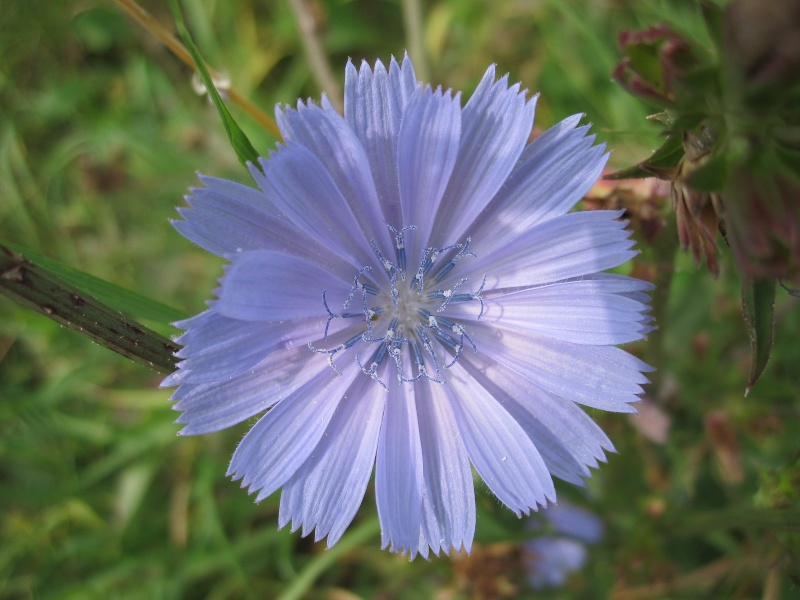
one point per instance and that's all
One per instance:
(736, 115)
(653, 63)
(763, 222)
(762, 60)
(699, 214)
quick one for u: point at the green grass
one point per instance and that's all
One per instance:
(101, 135)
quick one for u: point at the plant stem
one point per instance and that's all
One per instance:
(149, 22)
(36, 288)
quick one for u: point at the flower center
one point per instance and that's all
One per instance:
(400, 319)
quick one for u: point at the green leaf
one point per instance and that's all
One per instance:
(662, 163)
(645, 60)
(758, 304)
(239, 141)
(129, 302)
(35, 287)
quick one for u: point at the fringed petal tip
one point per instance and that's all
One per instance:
(171, 380)
(427, 550)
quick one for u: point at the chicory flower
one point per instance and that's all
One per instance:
(552, 557)
(408, 291)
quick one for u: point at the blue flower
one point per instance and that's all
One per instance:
(551, 558)
(407, 291)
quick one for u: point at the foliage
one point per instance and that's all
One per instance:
(101, 135)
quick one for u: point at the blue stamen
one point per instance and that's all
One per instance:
(458, 298)
(330, 354)
(446, 294)
(420, 362)
(358, 286)
(421, 333)
(331, 315)
(426, 264)
(464, 251)
(387, 264)
(373, 368)
(426, 341)
(352, 341)
(400, 245)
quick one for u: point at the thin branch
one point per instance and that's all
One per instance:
(412, 19)
(320, 69)
(146, 20)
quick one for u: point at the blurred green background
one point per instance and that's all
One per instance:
(101, 134)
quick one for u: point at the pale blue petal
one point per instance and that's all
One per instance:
(609, 283)
(568, 440)
(606, 283)
(278, 445)
(496, 123)
(554, 558)
(402, 80)
(304, 191)
(642, 297)
(554, 172)
(325, 132)
(270, 286)
(426, 154)
(226, 217)
(572, 245)
(398, 473)
(325, 493)
(448, 515)
(209, 407)
(575, 522)
(498, 447)
(373, 106)
(568, 313)
(603, 377)
(218, 347)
